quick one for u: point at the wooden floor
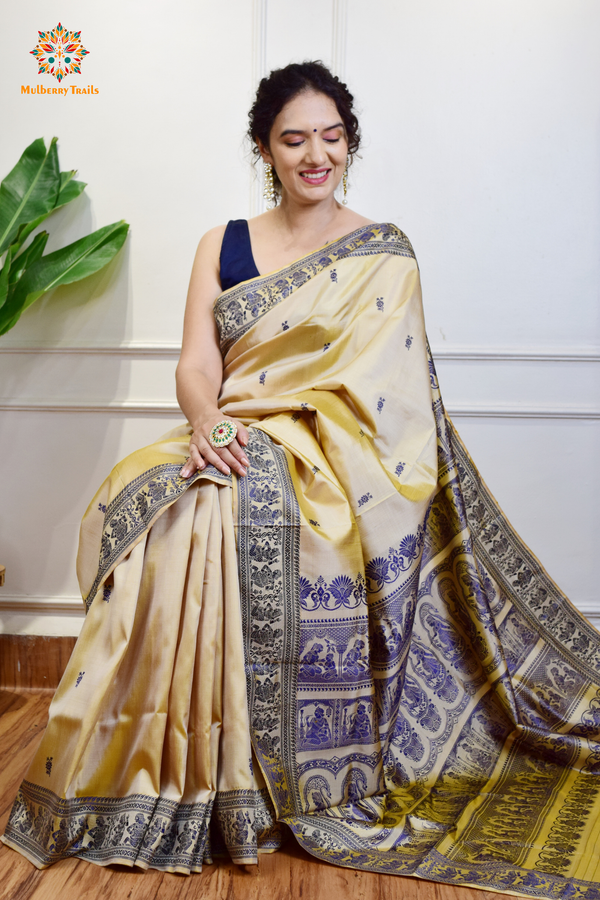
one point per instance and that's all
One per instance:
(290, 874)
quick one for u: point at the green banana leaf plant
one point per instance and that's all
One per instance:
(33, 190)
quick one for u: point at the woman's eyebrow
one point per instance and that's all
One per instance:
(299, 130)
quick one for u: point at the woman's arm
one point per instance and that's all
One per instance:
(200, 368)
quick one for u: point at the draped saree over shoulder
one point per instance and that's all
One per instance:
(351, 641)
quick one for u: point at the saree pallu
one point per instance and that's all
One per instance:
(351, 641)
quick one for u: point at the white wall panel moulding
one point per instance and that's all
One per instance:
(171, 351)
(259, 70)
(128, 407)
(127, 349)
(170, 407)
(259, 41)
(338, 38)
(516, 412)
(512, 354)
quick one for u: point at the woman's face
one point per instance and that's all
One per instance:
(308, 147)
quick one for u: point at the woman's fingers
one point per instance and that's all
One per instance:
(242, 434)
(193, 463)
(189, 468)
(238, 452)
(225, 459)
(235, 458)
(221, 459)
(197, 457)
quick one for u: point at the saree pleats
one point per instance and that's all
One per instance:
(351, 640)
(148, 707)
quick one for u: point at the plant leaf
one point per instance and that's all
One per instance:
(79, 259)
(10, 323)
(27, 257)
(71, 263)
(30, 190)
(65, 177)
(4, 277)
(24, 232)
(69, 189)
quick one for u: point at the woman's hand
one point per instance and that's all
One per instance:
(225, 459)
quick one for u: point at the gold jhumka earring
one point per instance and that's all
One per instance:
(269, 186)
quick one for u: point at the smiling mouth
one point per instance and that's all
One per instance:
(318, 177)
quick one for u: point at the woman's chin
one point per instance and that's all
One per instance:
(312, 195)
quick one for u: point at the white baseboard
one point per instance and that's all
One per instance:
(54, 616)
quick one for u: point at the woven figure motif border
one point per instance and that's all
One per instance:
(326, 839)
(155, 831)
(269, 564)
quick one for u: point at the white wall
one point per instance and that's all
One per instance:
(481, 140)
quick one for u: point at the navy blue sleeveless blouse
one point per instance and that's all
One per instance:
(237, 263)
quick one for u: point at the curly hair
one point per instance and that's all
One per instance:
(281, 86)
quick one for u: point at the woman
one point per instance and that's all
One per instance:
(323, 621)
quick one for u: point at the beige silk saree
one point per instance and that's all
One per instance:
(351, 641)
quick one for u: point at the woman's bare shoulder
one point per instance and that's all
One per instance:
(211, 241)
(208, 253)
(205, 285)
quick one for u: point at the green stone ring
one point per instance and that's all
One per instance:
(222, 434)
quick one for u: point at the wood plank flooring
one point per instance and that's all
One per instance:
(290, 874)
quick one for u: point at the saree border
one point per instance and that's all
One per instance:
(239, 308)
(320, 841)
(135, 509)
(538, 599)
(142, 830)
(268, 535)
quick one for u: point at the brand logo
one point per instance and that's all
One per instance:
(59, 52)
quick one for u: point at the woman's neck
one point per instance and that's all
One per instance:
(294, 220)
(290, 231)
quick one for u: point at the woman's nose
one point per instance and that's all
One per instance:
(315, 152)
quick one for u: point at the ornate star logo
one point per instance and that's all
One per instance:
(59, 52)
